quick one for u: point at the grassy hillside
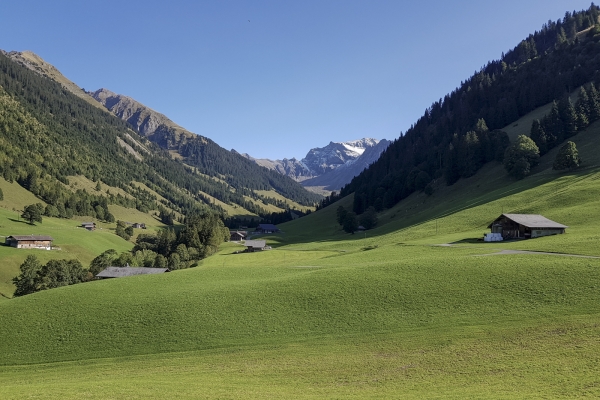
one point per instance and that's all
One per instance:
(74, 243)
(327, 314)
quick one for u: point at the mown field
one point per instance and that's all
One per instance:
(384, 314)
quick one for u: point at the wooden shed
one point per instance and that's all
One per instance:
(30, 242)
(525, 226)
(266, 228)
(90, 226)
(255, 245)
(236, 236)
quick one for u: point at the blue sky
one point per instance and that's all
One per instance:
(276, 78)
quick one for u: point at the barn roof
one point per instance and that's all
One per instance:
(120, 272)
(531, 221)
(31, 237)
(257, 244)
(267, 227)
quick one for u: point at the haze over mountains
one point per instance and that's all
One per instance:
(331, 166)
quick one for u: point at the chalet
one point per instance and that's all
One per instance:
(30, 242)
(121, 272)
(524, 226)
(90, 226)
(236, 236)
(266, 228)
(138, 225)
(255, 245)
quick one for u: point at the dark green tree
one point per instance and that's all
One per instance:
(568, 117)
(583, 109)
(1, 194)
(26, 281)
(341, 214)
(129, 231)
(368, 219)
(538, 135)
(57, 273)
(594, 104)
(121, 230)
(350, 224)
(160, 261)
(101, 262)
(521, 156)
(33, 213)
(567, 157)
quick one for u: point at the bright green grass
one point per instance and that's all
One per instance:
(74, 243)
(325, 314)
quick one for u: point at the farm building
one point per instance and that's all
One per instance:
(236, 236)
(121, 272)
(30, 242)
(525, 226)
(139, 225)
(255, 245)
(90, 226)
(266, 228)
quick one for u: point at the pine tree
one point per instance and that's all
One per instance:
(568, 117)
(539, 136)
(594, 104)
(582, 109)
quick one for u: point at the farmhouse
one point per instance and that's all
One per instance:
(255, 245)
(266, 228)
(30, 242)
(90, 226)
(236, 236)
(525, 226)
(139, 225)
(121, 272)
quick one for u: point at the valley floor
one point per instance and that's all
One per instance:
(384, 314)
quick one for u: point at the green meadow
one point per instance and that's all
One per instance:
(415, 308)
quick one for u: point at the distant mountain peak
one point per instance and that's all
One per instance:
(318, 166)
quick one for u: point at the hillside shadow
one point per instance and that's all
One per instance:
(491, 185)
(21, 221)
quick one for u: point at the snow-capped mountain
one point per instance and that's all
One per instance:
(330, 167)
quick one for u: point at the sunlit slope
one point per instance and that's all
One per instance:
(358, 292)
(465, 209)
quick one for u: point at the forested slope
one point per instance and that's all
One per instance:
(457, 135)
(48, 134)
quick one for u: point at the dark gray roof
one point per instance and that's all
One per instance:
(257, 244)
(31, 237)
(120, 272)
(531, 221)
(267, 227)
(88, 223)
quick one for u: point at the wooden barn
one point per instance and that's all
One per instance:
(525, 226)
(236, 236)
(90, 226)
(255, 245)
(266, 228)
(30, 242)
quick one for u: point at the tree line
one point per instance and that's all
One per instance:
(199, 238)
(458, 134)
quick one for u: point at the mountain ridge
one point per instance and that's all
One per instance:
(329, 167)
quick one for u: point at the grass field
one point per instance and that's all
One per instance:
(383, 314)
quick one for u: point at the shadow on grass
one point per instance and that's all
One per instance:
(20, 220)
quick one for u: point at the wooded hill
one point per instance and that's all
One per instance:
(457, 135)
(47, 135)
